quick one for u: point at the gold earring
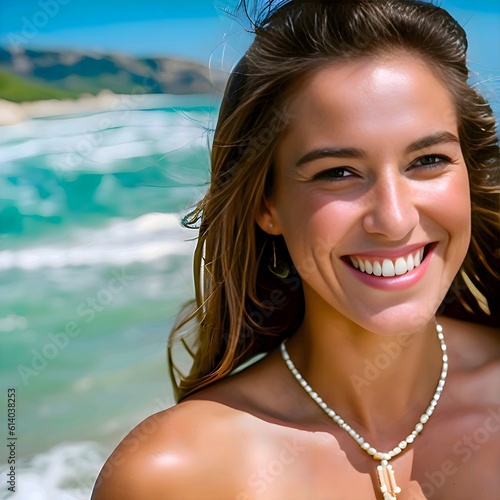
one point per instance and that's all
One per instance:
(279, 268)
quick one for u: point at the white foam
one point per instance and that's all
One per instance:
(147, 238)
(66, 472)
(96, 142)
(13, 322)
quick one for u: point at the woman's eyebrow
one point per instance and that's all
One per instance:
(317, 154)
(425, 142)
(440, 137)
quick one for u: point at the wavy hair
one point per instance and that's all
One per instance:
(241, 309)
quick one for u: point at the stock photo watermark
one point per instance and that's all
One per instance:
(142, 433)
(262, 477)
(32, 23)
(11, 439)
(93, 139)
(464, 449)
(87, 311)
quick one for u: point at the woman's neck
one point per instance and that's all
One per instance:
(374, 382)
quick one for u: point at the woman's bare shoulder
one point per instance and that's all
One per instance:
(474, 352)
(474, 345)
(181, 452)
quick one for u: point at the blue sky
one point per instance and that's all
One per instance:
(195, 29)
(189, 28)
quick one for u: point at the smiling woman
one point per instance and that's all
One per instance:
(354, 243)
(385, 182)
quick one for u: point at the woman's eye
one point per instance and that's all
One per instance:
(431, 161)
(334, 174)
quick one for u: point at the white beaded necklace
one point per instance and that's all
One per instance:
(385, 472)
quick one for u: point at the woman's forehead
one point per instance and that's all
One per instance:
(373, 96)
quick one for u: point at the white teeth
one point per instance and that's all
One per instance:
(401, 267)
(417, 259)
(389, 268)
(410, 263)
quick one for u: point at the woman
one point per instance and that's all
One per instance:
(354, 196)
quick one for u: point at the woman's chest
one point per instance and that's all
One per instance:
(453, 460)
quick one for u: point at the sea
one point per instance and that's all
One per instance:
(94, 266)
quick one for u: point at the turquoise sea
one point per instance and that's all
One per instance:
(94, 266)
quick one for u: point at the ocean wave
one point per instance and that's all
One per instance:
(96, 142)
(66, 472)
(147, 238)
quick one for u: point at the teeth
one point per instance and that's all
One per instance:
(401, 267)
(410, 262)
(389, 268)
(417, 259)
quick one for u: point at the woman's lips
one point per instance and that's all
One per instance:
(391, 280)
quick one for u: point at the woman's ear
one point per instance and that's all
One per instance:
(267, 218)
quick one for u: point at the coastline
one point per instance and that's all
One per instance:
(14, 113)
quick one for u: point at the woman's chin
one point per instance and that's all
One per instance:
(406, 319)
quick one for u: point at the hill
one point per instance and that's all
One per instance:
(27, 75)
(16, 89)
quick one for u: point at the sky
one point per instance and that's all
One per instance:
(193, 29)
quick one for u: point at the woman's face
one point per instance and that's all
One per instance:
(372, 193)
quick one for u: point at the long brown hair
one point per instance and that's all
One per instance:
(241, 309)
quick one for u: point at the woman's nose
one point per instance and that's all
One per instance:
(392, 211)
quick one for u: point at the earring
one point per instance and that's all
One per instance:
(278, 267)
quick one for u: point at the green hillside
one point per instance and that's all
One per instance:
(15, 88)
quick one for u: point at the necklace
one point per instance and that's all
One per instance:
(385, 472)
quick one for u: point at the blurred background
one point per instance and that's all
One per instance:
(106, 114)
